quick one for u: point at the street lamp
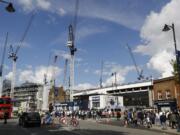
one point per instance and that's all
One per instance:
(114, 74)
(167, 28)
(9, 7)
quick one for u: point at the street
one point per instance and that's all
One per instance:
(86, 128)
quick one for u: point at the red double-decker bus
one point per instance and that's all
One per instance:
(5, 106)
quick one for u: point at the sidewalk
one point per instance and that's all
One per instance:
(153, 128)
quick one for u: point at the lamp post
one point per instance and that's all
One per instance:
(9, 7)
(115, 84)
(167, 28)
(115, 80)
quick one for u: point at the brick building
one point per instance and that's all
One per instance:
(166, 94)
(57, 95)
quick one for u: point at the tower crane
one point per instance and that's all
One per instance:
(65, 73)
(13, 54)
(71, 45)
(139, 71)
(2, 64)
(101, 78)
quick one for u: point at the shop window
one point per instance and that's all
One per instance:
(95, 104)
(159, 95)
(168, 94)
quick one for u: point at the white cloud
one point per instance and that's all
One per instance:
(89, 30)
(111, 67)
(29, 5)
(9, 76)
(158, 63)
(44, 4)
(121, 73)
(61, 12)
(82, 33)
(108, 10)
(157, 44)
(26, 4)
(84, 86)
(62, 54)
(36, 75)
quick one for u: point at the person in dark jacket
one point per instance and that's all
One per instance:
(163, 121)
(6, 115)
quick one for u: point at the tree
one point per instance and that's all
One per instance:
(176, 71)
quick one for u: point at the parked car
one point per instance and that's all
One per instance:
(29, 119)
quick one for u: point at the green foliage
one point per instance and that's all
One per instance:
(176, 72)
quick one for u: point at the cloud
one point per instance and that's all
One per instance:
(82, 33)
(51, 20)
(84, 86)
(108, 10)
(157, 44)
(121, 73)
(9, 76)
(29, 5)
(61, 12)
(89, 30)
(36, 75)
(111, 67)
(158, 63)
(43, 4)
(63, 54)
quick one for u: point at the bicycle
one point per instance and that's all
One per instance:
(63, 120)
(74, 122)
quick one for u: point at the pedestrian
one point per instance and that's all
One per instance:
(163, 121)
(6, 115)
(178, 123)
(174, 120)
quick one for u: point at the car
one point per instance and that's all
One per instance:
(29, 119)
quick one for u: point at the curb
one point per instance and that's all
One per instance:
(149, 129)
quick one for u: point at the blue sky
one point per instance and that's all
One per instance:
(103, 29)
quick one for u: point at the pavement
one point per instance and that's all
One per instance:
(156, 128)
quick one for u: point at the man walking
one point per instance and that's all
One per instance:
(6, 115)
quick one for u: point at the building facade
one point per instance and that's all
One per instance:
(57, 95)
(137, 94)
(166, 94)
(27, 96)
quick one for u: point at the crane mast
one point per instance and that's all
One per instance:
(2, 64)
(13, 54)
(139, 72)
(65, 73)
(70, 44)
(101, 78)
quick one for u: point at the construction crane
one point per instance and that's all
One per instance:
(2, 64)
(71, 45)
(46, 86)
(13, 54)
(65, 73)
(101, 78)
(138, 70)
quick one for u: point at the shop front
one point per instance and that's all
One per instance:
(166, 105)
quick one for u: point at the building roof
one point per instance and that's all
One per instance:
(163, 79)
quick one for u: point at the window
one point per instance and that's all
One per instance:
(159, 95)
(168, 94)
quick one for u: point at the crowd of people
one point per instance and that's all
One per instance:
(133, 118)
